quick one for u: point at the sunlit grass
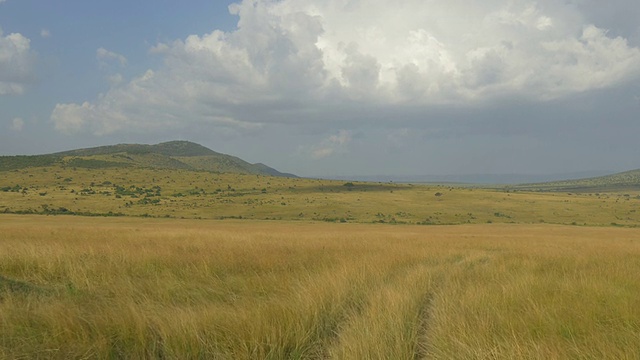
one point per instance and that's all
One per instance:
(76, 287)
(196, 194)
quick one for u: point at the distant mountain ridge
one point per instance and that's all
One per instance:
(171, 148)
(628, 180)
(593, 181)
(167, 155)
(476, 179)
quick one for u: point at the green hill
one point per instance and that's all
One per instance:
(171, 148)
(22, 161)
(628, 180)
(169, 155)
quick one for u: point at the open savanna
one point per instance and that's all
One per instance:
(176, 193)
(79, 287)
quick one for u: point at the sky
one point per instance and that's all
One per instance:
(331, 87)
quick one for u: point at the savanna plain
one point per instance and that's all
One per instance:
(173, 264)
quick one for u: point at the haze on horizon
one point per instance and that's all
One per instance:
(331, 88)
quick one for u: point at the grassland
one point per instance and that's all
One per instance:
(180, 193)
(306, 268)
(77, 287)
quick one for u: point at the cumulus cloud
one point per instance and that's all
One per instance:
(304, 60)
(17, 124)
(16, 63)
(115, 79)
(334, 144)
(110, 62)
(71, 118)
(106, 57)
(147, 102)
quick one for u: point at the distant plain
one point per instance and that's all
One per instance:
(175, 193)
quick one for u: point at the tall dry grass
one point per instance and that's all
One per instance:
(113, 288)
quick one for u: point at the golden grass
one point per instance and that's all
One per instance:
(75, 287)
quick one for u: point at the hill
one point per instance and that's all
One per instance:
(171, 148)
(628, 180)
(169, 155)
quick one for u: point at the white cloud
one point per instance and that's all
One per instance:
(304, 60)
(137, 105)
(115, 79)
(334, 144)
(106, 57)
(110, 62)
(17, 124)
(71, 118)
(16, 64)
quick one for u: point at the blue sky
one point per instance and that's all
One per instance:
(339, 87)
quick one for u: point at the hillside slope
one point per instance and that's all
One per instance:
(168, 155)
(628, 180)
(171, 148)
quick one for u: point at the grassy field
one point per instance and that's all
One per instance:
(206, 195)
(78, 287)
(304, 268)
